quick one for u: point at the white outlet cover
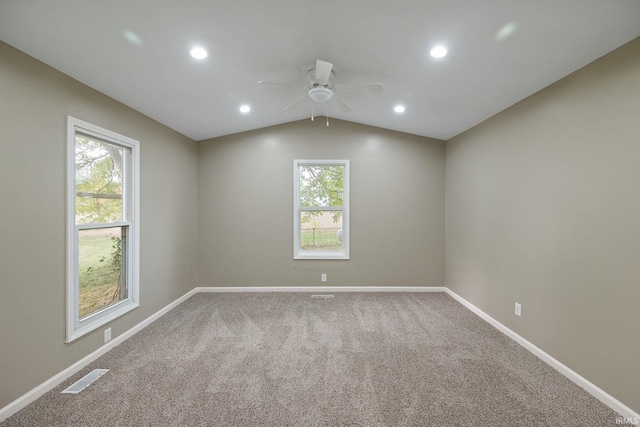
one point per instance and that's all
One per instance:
(518, 310)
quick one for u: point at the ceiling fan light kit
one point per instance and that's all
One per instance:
(320, 93)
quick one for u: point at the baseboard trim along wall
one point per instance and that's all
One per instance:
(582, 382)
(322, 289)
(57, 379)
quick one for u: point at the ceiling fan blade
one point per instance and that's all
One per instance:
(359, 87)
(298, 102)
(338, 102)
(263, 83)
(323, 71)
(283, 85)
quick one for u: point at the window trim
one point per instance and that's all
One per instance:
(76, 327)
(298, 253)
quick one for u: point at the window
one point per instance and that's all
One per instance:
(102, 226)
(321, 209)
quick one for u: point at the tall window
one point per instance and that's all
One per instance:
(102, 226)
(321, 209)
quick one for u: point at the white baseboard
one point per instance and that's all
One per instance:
(321, 289)
(582, 382)
(57, 379)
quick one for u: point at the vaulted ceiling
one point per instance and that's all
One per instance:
(138, 52)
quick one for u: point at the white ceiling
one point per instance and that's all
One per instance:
(367, 40)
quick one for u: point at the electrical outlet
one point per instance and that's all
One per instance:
(518, 310)
(323, 277)
(107, 335)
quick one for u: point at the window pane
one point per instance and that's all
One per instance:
(98, 181)
(321, 231)
(101, 268)
(321, 185)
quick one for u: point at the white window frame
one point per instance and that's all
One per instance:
(298, 252)
(76, 327)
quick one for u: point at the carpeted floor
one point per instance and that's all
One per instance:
(286, 359)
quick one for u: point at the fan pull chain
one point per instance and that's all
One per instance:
(327, 120)
(311, 113)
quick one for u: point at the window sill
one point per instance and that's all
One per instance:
(321, 255)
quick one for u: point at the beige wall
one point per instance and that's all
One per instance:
(543, 208)
(245, 212)
(34, 103)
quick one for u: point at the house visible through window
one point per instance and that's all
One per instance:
(321, 217)
(102, 223)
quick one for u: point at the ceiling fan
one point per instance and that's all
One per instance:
(321, 88)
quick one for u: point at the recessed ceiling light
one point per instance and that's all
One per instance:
(244, 108)
(199, 53)
(398, 109)
(438, 51)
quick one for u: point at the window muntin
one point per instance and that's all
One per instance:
(102, 223)
(321, 217)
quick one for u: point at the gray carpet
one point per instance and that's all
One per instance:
(286, 359)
